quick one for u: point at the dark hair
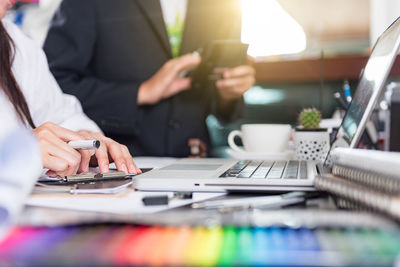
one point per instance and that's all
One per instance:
(7, 78)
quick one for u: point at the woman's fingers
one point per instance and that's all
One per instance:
(122, 158)
(102, 152)
(102, 157)
(86, 155)
(55, 165)
(52, 147)
(109, 149)
(129, 161)
(57, 155)
(116, 154)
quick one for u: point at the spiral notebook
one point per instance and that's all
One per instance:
(367, 178)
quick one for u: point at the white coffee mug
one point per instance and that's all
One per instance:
(261, 138)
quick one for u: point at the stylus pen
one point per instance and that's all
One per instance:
(85, 144)
(339, 98)
(347, 92)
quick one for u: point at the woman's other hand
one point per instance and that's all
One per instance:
(109, 151)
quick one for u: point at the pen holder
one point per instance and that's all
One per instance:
(311, 144)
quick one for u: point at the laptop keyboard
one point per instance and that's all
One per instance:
(292, 169)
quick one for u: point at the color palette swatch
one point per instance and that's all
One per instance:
(127, 245)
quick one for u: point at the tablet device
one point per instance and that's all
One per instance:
(218, 55)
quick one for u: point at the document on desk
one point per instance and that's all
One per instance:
(129, 202)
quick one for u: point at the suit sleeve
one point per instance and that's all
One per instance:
(70, 46)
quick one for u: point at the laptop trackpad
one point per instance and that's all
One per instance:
(192, 167)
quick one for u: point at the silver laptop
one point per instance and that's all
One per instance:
(254, 175)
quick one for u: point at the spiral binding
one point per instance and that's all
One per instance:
(357, 193)
(378, 181)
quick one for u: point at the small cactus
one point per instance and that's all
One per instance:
(310, 118)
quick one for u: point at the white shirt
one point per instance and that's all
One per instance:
(170, 9)
(44, 97)
(174, 14)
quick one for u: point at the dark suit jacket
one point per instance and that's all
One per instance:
(102, 50)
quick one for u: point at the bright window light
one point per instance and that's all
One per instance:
(270, 30)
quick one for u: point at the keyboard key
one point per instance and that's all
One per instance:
(277, 170)
(235, 169)
(244, 175)
(267, 164)
(303, 170)
(263, 170)
(230, 173)
(292, 168)
(249, 169)
(260, 173)
(240, 165)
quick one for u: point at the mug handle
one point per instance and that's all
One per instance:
(231, 140)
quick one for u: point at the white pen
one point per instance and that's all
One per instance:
(253, 202)
(85, 144)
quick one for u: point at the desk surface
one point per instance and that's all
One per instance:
(312, 234)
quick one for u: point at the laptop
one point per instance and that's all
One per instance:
(214, 174)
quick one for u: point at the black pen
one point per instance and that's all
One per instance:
(164, 199)
(339, 98)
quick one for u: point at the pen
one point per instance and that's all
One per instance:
(85, 144)
(253, 202)
(165, 199)
(347, 92)
(339, 98)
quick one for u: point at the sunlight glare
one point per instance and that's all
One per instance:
(270, 30)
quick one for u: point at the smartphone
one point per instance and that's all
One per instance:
(218, 55)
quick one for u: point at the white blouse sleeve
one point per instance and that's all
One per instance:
(62, 109)
(46, 101)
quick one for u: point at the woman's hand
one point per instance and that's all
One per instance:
(57, 156)
(110, 150)
(62, 160)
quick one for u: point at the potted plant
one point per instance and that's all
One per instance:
(311, 141)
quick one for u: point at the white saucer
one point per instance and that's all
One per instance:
(286, 155)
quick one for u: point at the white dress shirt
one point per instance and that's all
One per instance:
(44, 97)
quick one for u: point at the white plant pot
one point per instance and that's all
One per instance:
(311, 145)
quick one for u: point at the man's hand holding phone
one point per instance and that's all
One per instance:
(168, 81)
(235, 82)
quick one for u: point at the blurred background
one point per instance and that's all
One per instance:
(303, 51)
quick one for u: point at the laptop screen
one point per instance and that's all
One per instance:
(371, 85)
